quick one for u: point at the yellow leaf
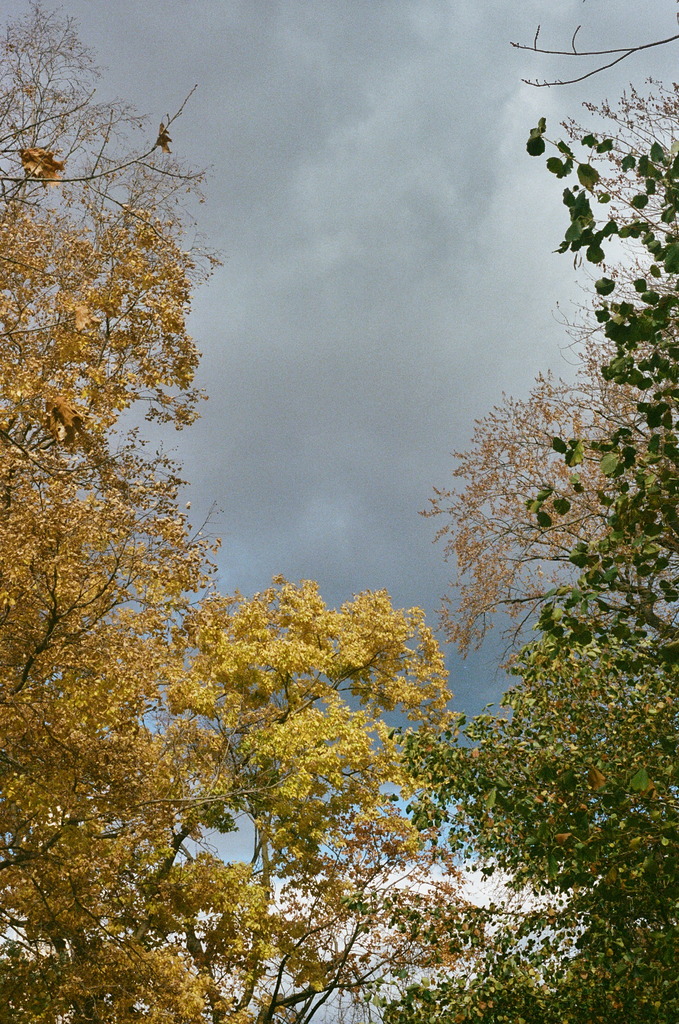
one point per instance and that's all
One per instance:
(84, 318)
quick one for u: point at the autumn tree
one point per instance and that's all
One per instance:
(146, 721)
(568, 796)
(505, 558)
(510, 525)
(260, 729)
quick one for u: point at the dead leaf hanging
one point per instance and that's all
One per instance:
(63, 420)
(163, 139)
(42, 164)
(596, 778)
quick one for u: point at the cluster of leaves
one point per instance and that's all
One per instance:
(150, 727)
(629, 586)
(512, 525)
(581, 458)
(569, 795)
(572, 797)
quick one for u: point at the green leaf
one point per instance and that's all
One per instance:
(562, 168)
(604, 285)
(610, 464)
(670, 652)
(628, 162)
(561, 505)
(671, 260)
(657, 153)
(536, 144)
(575, 229)
(559, 445)
(576, 454)
(641, 781)
(595, 253)
(588, 176)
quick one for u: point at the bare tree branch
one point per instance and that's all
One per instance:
(624, 51)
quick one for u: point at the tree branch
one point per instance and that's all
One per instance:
(624, 51)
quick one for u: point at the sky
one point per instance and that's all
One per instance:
(388, 267)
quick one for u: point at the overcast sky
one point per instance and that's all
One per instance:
(388, 256)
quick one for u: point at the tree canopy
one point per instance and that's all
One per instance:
(568, 795)
(152, 727)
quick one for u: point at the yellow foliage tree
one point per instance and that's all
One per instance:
(146, 721)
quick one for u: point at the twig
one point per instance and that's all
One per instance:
(573, 52)
(594, 53)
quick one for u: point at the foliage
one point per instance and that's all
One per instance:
(540, 477)
(629, 584)
(149, 725)
(569, 796)
(507, 558)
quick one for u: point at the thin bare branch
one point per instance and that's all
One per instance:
(624, 51)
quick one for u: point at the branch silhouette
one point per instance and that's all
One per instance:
(623, 51)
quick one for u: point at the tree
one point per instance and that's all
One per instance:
(513, 527)
(570, 794)
(144, 717)
(571, 798)
(286, 697)
(506, 559)
(258, 728)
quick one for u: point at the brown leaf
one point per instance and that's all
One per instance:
(84, 318)
(63, 420)
(41, 163)
(561, 838)
(596, 778)
(163, 139)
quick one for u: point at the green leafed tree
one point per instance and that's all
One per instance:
(567, 798)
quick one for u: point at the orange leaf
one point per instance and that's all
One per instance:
(41, 163)
(63, 420)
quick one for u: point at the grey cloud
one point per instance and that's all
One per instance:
(388, 267)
